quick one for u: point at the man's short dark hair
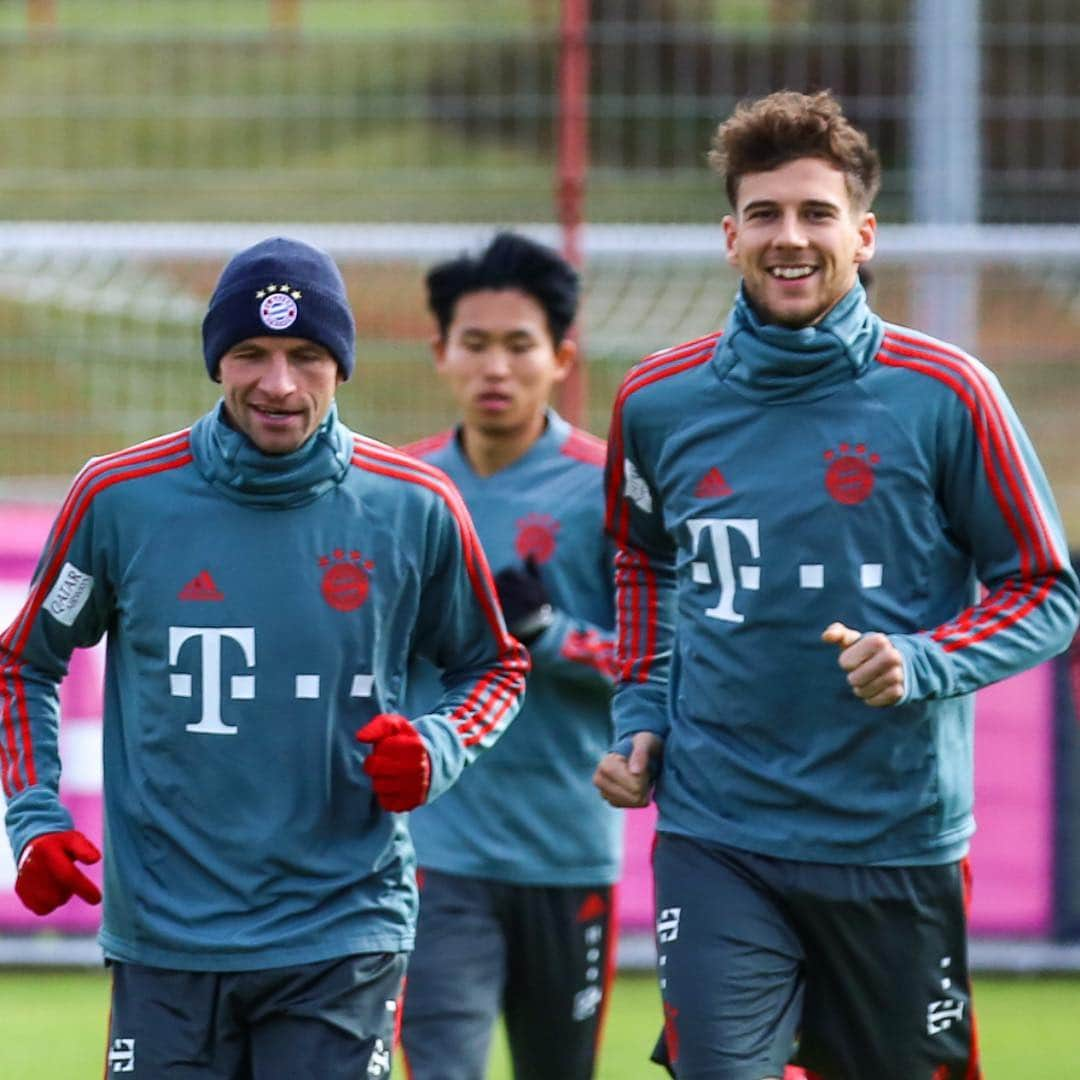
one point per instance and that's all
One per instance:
(510, 261)
(765, 134)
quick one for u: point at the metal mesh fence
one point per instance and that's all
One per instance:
(445, 110)
(100, 346)
(329, 113)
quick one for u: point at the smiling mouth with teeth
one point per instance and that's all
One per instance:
(791, 273)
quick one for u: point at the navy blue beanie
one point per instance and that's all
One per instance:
(280, 287)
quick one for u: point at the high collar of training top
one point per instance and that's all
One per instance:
(775, 364)
(234, 465)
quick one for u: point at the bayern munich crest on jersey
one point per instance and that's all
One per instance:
(278, 309)
(537, 535)
(849, 473)
(345, 582)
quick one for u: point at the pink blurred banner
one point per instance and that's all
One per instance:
(23, 531)
(1012, 853)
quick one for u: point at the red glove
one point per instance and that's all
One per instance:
(48, 876)
(398, 763)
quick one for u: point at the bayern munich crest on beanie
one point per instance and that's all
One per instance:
(285, 287)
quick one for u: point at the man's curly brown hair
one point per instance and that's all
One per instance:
(762, 135)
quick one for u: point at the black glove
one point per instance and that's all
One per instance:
(525, 602)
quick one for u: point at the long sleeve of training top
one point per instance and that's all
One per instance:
(258, 612)
(997, 510)
(766, 482)
(528, 813)
(482, 690)
(645, 553)
(576, 651)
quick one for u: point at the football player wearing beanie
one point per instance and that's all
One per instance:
(279, 336)
(266, 577)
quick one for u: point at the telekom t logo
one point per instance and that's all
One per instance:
(307, 686)
(721, 567)
(241, 687)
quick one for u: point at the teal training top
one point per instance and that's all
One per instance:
(528, 814)
(765, 482)
(259, 610)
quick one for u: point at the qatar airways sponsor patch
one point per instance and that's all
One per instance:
(69, 595)
(635, 489)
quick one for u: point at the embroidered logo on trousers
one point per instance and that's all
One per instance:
(667, 924)
(122, 1056)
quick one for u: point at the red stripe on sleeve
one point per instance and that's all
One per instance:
(507, 683)
(591, 649)
(647, 372)
(1004, 468)
(584, 446)
(634, 575)
(427, 445)
(87, 484)
(1010, 460)
(98, 475)
(1036, 597)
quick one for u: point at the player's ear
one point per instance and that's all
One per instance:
(566, 354)
(867, 238)
(438, 349)
(731, 237)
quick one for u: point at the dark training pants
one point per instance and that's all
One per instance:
(308, 1022)
(854, 972)
(538, 954)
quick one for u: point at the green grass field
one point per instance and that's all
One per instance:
(54, 1027)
